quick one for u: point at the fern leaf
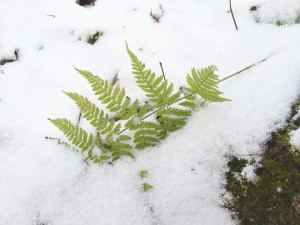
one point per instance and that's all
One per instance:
(131, 111)
(171, 111)
(118, 154)
(204, 82)
(120, 147)
(92, 113)
(101, 159)
(189, 102)
(135, 119)
(75, 134)
(147, 187)
(111, 95)
(146, 135)
(175, 112)
(171, 119)
(157, 89)
(145, 131)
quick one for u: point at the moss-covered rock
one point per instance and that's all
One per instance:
(274, 198)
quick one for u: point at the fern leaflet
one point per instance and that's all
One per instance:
(111, 95)
(157, 89)
(204, 82)
(97, 118)
(75, 134)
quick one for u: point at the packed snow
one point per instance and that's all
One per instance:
(295, 138)
(44, 183)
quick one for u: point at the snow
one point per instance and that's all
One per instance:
(249, 173)
(42, 182)
(295, 138)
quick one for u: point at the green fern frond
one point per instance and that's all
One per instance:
(101, 159)
(97, 118)
(120, 146)
(113, 96)
(204, 82)
(141, 112)
(145, 134)
(105, 126)
(170, 109)
(162, 95)
(176, 112)
(189, 102)
(157, 88)
(171, 119)
(75, 134)
(145, 131)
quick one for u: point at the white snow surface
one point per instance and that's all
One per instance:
(43, 183)
(249, 173)
(295, 138)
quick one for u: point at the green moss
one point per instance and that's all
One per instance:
(272, 199)
(236, 165)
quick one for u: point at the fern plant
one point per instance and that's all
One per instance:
(133, 125)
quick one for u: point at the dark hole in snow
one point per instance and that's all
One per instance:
(94, 37)
(253, 8)
(12, 59)
(85, 2)
(157, 16)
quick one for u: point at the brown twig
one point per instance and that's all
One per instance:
(162, 70)
(52, 138)
(115, 79)
(86, 160)
(236, 27)
(79, 118)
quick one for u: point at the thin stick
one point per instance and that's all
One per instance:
(162, 70)
(52, 138)
(79, 118)
(254, 154)
(236, 27)
(85, 160)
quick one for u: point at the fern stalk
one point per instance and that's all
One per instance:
(242, 70)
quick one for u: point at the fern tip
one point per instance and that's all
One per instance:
(65, 92)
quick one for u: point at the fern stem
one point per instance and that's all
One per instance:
(155, 111)
(184, 97)
(242, 70)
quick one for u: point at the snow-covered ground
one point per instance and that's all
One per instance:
(43, 183)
